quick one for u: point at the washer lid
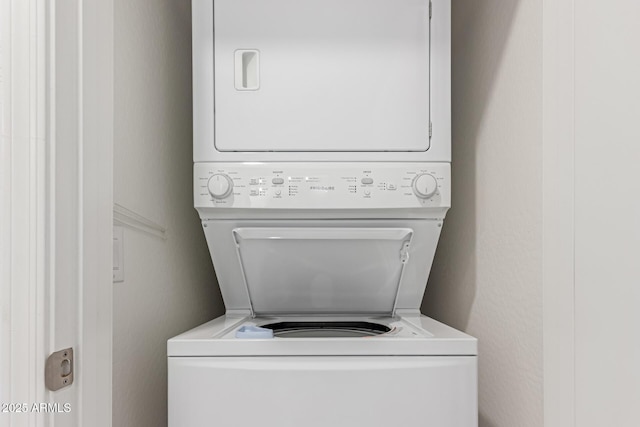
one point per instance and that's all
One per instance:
(322, 270)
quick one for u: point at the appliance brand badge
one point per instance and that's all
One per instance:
(322, 187)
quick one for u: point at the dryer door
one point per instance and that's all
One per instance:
(321, 75)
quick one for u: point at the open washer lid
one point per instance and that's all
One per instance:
(322, 270)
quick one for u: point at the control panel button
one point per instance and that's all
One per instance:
(367, 180)
(277, 181)
(425, 185)
(278, 192)
(220, 186)
(367, 192)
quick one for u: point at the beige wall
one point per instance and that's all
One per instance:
(487, 275)
(169, 283)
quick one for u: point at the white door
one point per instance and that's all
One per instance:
(321, 75)
(55, 212)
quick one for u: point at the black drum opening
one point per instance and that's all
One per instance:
(327, 329)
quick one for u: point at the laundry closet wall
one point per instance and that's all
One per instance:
(169, 284)
(487, 273)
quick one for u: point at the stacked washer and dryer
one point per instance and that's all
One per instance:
(322, 149)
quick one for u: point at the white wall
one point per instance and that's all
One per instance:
(487, 274)
(558, 213)
(169, 283)
(607, 213)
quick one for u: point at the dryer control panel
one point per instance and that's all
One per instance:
(322, 185)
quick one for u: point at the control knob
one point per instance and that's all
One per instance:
(220, 186)
(425, 185)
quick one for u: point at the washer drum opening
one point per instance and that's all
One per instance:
(329, 329)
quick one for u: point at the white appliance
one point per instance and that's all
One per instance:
(322, 178)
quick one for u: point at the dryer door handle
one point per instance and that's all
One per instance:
(247, 69)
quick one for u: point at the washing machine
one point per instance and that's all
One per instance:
(322, 178)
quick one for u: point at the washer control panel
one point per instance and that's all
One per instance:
(322, 185)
